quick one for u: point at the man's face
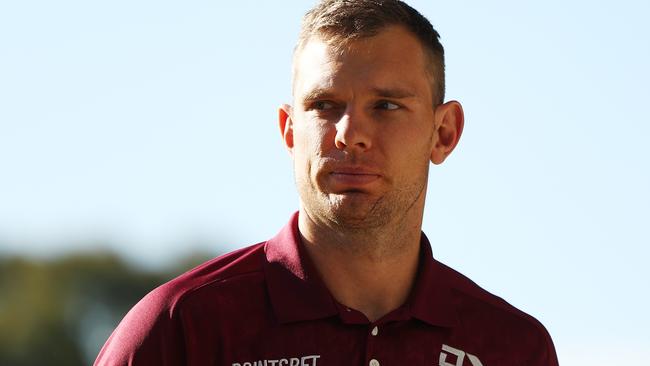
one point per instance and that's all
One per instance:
(362, 129)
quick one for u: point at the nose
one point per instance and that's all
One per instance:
(353, 131)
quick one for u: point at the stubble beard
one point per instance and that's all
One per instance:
(359, 216)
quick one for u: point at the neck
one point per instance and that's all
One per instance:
(368, 270)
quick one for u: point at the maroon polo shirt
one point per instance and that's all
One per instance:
(265, 306)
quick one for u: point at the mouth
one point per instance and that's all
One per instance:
(353, 178)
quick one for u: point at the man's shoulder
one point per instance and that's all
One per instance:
(500, 323)
(469, 297)
(469, 291)
(153, 330)
(233, 267)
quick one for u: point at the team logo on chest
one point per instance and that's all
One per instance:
(458, 355)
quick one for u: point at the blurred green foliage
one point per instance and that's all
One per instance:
(61, 311)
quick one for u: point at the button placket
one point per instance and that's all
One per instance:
(370, 351)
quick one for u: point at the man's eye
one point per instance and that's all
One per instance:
(322, 105)
(387, 105)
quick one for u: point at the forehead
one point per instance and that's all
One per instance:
(393, 57)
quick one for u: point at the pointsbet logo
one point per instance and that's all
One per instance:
(292, 361)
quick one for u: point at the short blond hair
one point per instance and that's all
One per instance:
(340, 21)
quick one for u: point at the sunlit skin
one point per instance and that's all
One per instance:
(362, 132)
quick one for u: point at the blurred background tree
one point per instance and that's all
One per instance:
(61, 311)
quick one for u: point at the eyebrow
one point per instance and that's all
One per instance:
(393, 93)
(318, 93)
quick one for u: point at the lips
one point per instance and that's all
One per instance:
(353, 177)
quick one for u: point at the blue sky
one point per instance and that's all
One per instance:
(150, 128)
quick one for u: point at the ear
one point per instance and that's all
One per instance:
(286, 126)
(448, 123)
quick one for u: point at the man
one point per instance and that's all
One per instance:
(350, 280)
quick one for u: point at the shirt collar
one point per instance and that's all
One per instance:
(296, 291)
(431, 297)
(298, 294)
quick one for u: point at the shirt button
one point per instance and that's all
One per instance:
(374, 362)
(375, 331)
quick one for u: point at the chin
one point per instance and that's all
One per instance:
(357, 211)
